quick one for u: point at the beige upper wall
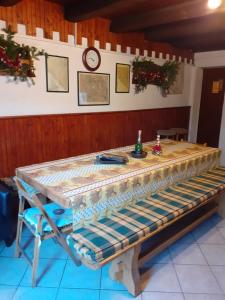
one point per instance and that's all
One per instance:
(206, 60)
(194, 101)
(21, 99)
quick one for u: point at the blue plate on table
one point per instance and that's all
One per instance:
(134, 154)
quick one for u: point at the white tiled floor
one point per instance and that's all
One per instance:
(191, 269)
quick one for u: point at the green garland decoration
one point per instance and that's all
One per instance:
(17, 59)
(147, 72)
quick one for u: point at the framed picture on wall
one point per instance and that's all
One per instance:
(57, 73)
(93, 88)
(122, 78)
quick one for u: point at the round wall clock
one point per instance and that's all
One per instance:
(91, 59)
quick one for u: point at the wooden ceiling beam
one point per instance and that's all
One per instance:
(8, 2)
(180, 30)
(88, 9)
(169, 14)
(206, 42)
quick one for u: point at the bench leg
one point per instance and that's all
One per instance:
(221, 209)
(126, 270)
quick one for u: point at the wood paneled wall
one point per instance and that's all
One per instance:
(49, 16)
(98, 29)
(32, 139)
(38, 13)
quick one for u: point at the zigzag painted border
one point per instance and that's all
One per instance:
(21, 31)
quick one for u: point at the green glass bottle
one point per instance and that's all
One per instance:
(138, 145)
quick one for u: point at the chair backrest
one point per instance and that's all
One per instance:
(180, 130)
(168, 133)
(181, 133)
(26, 191)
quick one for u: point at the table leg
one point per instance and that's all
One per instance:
(125, 269)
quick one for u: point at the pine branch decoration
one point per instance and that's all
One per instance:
(147, 72)
(17, 59)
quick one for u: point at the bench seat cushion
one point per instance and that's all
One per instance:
(104, 238)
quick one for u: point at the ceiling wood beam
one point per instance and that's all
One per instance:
(180, 30)
(8, 2)
(206, 42)
(95, 8)
(169, 14)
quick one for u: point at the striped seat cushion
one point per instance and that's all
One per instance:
(104, 238)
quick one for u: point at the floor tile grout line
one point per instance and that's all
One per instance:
(43, 258)
(100, 287)
(198, 245)
(214, 244)
(214, 226)
(193, 264)
(211, 294)
(207, 263)
(14, 293)
(179, 264)
(69, 288)
(211, 270)
(20, 279)
(162, 292)
(66, 260)
(52, 259)
(173, 265)
(99, 293)
(158, 291)
(182, 292)
(112, 290)
(168, 292)
(218, 244)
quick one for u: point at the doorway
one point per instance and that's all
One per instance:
(211, 107)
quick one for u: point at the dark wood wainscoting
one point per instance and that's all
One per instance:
(32, 139)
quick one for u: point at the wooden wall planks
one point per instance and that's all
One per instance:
(98, 29)
(32, 139)
(38, 13)
(49, 16)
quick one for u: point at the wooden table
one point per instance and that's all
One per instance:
(94, 190)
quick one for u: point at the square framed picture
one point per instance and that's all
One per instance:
(57, 73)
(93, 88)
(122, 78)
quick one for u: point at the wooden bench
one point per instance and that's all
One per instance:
(134, 234)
